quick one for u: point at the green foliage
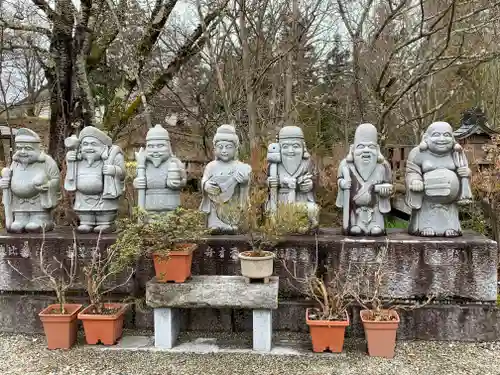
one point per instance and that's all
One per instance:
(145, 233)
(395, 223)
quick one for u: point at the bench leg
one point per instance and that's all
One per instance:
(167, 326)
(262, 329)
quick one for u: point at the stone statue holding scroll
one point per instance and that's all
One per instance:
(225, 179)
(291, 173)
(160, 175)
(365, 185)
(96, 173)
(30, 186)
(437, 180)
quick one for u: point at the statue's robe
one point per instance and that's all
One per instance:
(159, 197)
(96, 192)
(436, 206)
(25, 198)
(366, 207)
(232, 193)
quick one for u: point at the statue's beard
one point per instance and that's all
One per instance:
(25, 160)
(291, 163)
(365, 168)
(157, 161)
(91, 158)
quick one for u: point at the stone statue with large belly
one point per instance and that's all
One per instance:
(437, 181)
(225, 181)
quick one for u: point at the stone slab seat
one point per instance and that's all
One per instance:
(213, 292)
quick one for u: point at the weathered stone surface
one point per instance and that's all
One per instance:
(23, 252)
(213, 291)
(463, 267)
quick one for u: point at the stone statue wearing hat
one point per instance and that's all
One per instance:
(96, 173)
(291, 173)
(437, 181)
(160, 175)
(365, 185)
(225, 179)
(30, 186)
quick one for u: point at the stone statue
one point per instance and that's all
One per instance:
(160, 175)
(96, 173)
(30, 186)
(437, 180)
(365, 185)
(291, 173)
(225, 179)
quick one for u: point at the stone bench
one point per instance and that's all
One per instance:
(213, 292)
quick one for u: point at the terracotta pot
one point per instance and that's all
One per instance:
(257, 267)
(104, 328)
(326, 334)
(380, 336)
(60, 329)
(177, 266)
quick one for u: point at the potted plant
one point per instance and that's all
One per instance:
(104, 321)
(169, 239)
(264, 230)
(59, 320)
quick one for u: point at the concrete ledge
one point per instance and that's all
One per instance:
(213, 291)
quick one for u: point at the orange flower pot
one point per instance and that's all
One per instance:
(60, 329)
(104, 328)
(380, 336)
(327, 334)
(177, 266)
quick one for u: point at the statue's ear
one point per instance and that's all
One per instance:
(380, 157)
(105, 153)
(306, 155)
(350, 158)
(423, 145)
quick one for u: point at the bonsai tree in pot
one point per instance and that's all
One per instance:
(169, 239)
(328, 320)
(59, 320)
(263, 231)
(104, 321)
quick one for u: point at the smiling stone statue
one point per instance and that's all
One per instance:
(437, 180)
(225, 179)
(96, 172)
(365, 185)
(160, 175)
(30, 186)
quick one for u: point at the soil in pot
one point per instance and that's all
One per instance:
(106, 327)
(60, 328)
(380, 333)
(326, 334)
(176, 267)
(257, 264)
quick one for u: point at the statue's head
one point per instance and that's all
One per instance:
(27, 146)
(226, 143)
(292, 147)
(439, 139)
(94, 144)
(158, 145)
(365, 151)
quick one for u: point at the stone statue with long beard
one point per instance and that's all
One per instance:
(30, 186)
(365, 185)
(437, 181)
(160, 175)
(96, 173)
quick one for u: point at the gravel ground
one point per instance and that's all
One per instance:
(22, 354)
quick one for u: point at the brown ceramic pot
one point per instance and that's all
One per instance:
(327, 334)
(60, 329)
(104, 328)
(177, 266)
(380, 336)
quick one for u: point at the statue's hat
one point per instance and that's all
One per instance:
(366, 133)
(157, 133)
(290, 131)
(226, 133)
(27, 135)
(90, 131)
